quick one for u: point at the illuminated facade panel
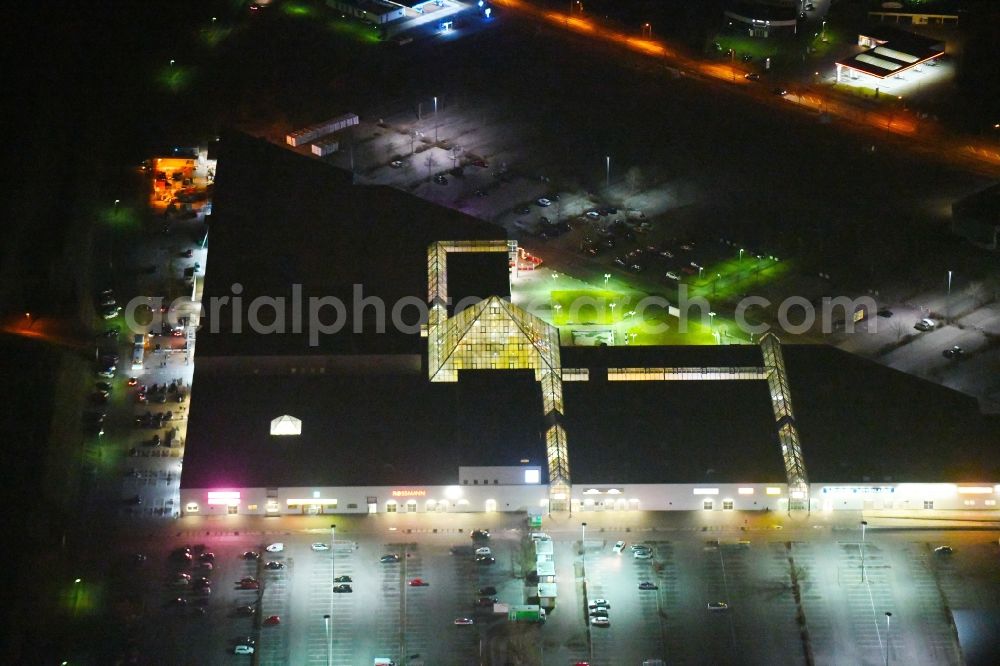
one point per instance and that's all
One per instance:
(685, 374)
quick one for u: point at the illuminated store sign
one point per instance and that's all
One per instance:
(409, 493)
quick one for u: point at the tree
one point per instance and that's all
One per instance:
(431, 163)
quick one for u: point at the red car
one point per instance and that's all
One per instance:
(132, 381)
(272, 620)
(418, 582)
(482, 164)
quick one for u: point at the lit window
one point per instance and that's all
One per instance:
(192, 507)
(773, 490)
(969, 502)
(286, 425)
(707, 505)
(727, 505)
(928, 504)
(532, 476)
(745, 491)
(251, 507)
(706, 491)
(990, 502)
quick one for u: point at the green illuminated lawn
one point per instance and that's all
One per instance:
(296, 9)
(120, 216)
(215, 35)
(731, 279)
(355, 30)
(175, 78)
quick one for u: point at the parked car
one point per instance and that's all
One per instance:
(251, 555)
(274, 566)
(243, 649)
(389, 559)
(418, 582)
(925, 324)
(646, 585)
(272, 620)
(463, 621)
(944, 550)
(487, 591)
(275, 548)
(752, 76)
(600, 621)
(718, 606)
(954, 352)
(343, 579)
(320, 546)
(342, 588)
(618, 547)
(480, 535)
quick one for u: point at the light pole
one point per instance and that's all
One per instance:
(864, 524)
(435, 119)
(947, 305)
(607, 170)
(647, 31)
(711, 321)
(741, 256)
(333, 581)
(888, 626)
(607, 276)
(613, 306)
(329, 641)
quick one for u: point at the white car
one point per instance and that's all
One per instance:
(600, 621)
(925, 325)
(484, 551)
(718, 606)
(243, 649)
(319, 546)
(673, 276)
(275, 548)
(599, 603)
(619, 547)
(643, 554)
(544, 203)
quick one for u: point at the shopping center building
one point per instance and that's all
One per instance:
(437, 394)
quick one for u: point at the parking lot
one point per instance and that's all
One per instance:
(788, 592)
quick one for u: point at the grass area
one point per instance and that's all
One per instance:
(175, 78)
(355, 29)
(120, 216)
(215, 35)
(730, 279)
(882, 99)
(650, 324)
(296, 8)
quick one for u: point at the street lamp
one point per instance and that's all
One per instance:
(711, 321)
(741, 255)
(647, 30)
(607, 170)
(947, 306)
(888, 626)
(171, 62)
(607, 276)
(333, 581)
(435, 119)
(329, 641)
(864, 524)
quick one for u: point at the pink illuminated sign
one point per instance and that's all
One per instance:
(223, 496)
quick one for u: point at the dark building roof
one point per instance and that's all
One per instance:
(280, 219)
(863, 421)
(358, 430)
(858, 421)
